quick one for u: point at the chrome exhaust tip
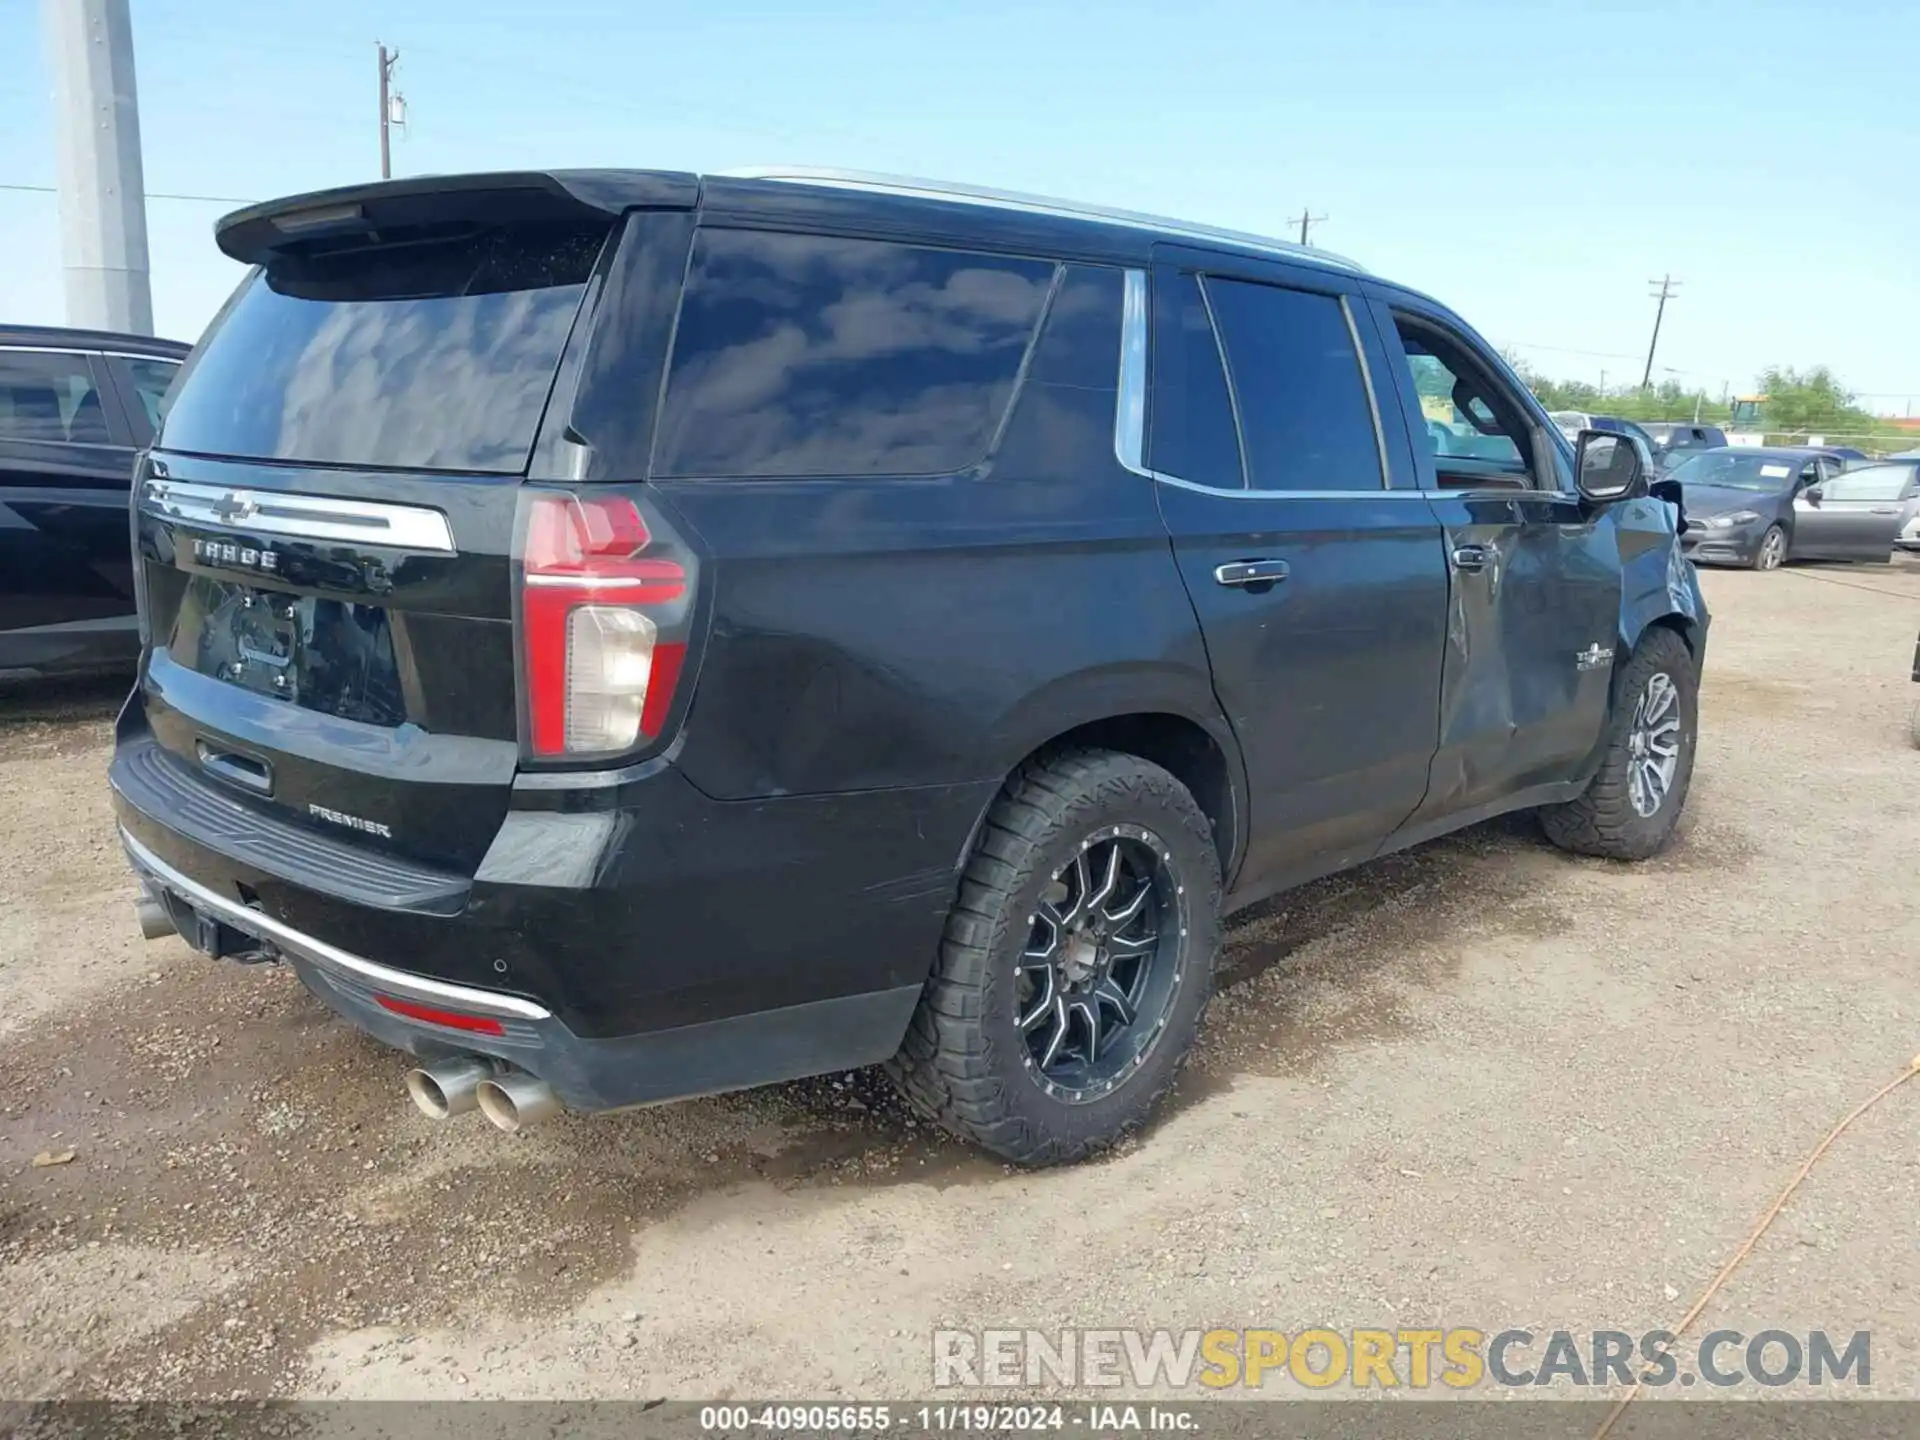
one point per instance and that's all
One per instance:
(449, 1088)
(515, 1100)
(155, 922)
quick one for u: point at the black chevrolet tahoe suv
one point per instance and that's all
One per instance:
(624, 635)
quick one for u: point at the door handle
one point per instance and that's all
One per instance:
(1250, 572)
(1472, 557)
(1886, 510)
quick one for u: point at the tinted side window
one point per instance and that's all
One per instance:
(800, 355)
(1304, 413)
(1191, 428)
(47, 395)
(150, 381)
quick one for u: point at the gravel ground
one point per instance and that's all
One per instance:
(1482, 1083)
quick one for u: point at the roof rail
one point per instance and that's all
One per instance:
(1038, 205)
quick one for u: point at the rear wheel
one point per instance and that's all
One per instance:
(1076, 964)
(1772, 551)
(1629, 810)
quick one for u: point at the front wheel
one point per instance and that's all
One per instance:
(1629, 810)
(1076, 965)
(1772, 551)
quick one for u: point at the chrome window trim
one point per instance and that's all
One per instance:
(70, 350)
(317, 952)
(917, 187)
(1130, 414)
(299, 517)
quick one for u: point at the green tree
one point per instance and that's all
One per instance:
(1811, 401)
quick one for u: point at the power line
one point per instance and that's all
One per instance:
(151, 195)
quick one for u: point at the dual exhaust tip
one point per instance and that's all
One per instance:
(511, 1099)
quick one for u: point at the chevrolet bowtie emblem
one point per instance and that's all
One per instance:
(235, 505)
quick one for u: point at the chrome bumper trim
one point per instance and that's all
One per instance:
(318, 952)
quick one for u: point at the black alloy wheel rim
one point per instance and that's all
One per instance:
(1101, 964)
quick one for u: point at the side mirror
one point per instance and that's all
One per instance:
(1607, 467)
(1813, 495)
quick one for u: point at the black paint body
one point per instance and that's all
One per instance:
(66, 587)
(873, 656)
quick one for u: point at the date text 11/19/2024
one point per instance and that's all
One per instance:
(976, 1419)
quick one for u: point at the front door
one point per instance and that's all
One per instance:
(1320, 587)
(1853, 515)
(66, 570)
(1535, 573)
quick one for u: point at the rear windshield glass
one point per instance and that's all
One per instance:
(436, 354)
(810, 355)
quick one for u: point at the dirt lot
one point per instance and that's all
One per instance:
(1479, 1084)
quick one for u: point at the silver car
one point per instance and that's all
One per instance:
(1860, 514)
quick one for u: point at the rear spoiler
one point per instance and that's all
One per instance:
(507, 197)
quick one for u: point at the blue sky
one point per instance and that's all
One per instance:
(1532, 164)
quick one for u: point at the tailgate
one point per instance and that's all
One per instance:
(324, 530)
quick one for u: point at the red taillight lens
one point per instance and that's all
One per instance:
(452, 1019)
(604, 614)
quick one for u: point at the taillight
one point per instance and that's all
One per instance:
(604, 609)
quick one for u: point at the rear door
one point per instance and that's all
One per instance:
(66, 587)
(1314, 565)
(1536, 573)
(1853, 515)
(326, 525)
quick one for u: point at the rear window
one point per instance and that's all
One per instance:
(434, 353)
(801, 356)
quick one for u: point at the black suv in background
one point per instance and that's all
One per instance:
(628, 635)
(74, 407)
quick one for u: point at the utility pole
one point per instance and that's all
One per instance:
(1603, 380)
(389, 97)
(1305, 221)
(103, 199)
(1667, 286)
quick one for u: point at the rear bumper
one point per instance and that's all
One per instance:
(586, 1073)
(639, 943)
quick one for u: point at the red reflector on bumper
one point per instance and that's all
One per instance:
(476, 1024)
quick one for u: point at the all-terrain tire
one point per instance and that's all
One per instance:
(965, 1062)
(1605, 821)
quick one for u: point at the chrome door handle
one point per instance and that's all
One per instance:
(1472, 557)
(1250, 572)
(1887, 510)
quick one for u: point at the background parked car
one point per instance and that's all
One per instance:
(75, 405)
(1907, 538)
(1871, 508)
(1677, 440)
(1572, 422)
(1759, 507)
